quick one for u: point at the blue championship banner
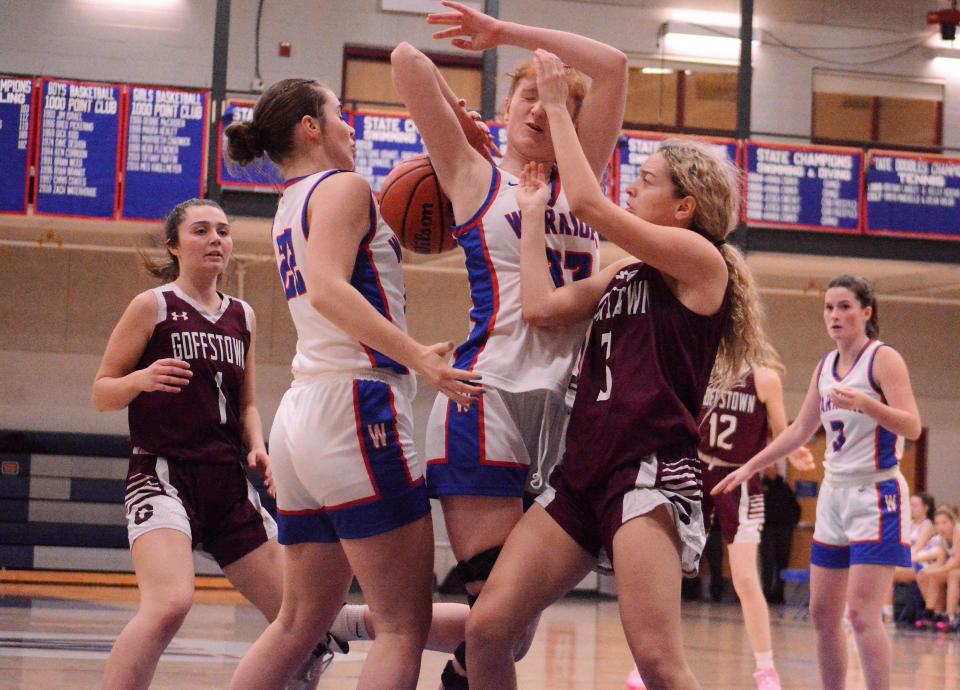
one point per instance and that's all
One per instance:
(16, 142)
(78, 165)
(261, 175)
(383, 140)
(634, 148)
(166, 146)
(803, 187)
(913, 195)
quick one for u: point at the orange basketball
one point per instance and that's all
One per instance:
(414, 206)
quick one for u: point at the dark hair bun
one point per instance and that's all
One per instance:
(243, 143)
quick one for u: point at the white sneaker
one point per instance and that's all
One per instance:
(308, 675)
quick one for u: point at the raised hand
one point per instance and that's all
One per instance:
(482, 32)
(165, 375)
(533, 192)
(551, 78)
(461, 386)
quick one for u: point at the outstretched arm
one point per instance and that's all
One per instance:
(792, 438)
(339, 217)
(770, 392)
(601, 114)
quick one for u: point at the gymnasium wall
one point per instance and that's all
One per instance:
(57, 307)
(171, 43)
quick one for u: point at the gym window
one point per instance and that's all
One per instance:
(368, 83)
(877, 110)
(682, 96)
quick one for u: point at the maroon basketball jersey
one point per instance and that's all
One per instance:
(645, 368)
(733, 426)
(201, 423)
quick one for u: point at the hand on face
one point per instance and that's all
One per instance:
(551, 78)
(533, 193)
(482, 31)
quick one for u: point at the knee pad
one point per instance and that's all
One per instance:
(478, 568)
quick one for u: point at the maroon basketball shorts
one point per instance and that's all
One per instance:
(212, 503)
(593, 516)
(739, 512)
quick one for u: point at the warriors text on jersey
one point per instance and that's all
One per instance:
(510, 354)
(201, 422)
(856, 444)
(644, 372)
(733, 426)
(377, 275)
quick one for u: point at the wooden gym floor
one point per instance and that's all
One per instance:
(57, 633)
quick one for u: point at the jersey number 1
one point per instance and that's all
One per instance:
(221, 398)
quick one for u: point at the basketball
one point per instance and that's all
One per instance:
(414, 206)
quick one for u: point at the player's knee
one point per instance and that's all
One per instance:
(863, 618)
(489, 628)
(746, 583)
(659, 670)
(407, 627)
(170, 609)
(825, 616)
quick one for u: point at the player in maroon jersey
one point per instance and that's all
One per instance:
(181, 359)
(663, 325)
(735, 424)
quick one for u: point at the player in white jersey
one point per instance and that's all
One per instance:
(350, 494)
(481, 460)
(861, 394)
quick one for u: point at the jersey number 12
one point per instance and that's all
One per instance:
(719, 436)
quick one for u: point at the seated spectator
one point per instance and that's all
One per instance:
(921, 530)
(940, 574)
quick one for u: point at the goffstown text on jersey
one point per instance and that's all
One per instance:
(215, 347)
(628, 298)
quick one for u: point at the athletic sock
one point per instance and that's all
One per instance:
(764, 659)
(349, 624)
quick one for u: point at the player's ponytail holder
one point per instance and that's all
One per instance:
(719, 243)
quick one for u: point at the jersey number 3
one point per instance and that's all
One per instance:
(290, 276)
(838, 440)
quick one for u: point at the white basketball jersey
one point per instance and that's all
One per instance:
(505, 350)
(377, 275)
(856, 444)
